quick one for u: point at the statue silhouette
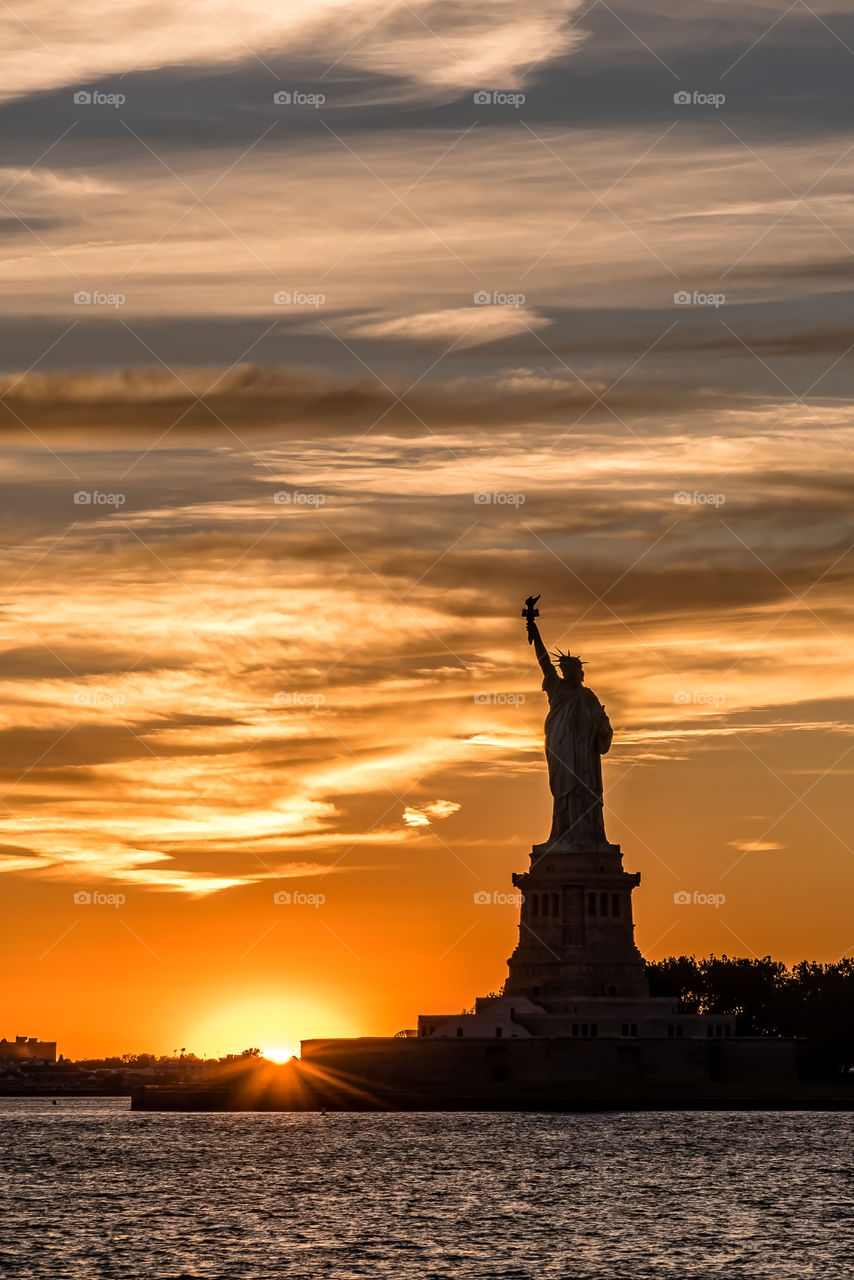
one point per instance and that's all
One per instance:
(578, 734)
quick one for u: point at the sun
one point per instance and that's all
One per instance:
(278, 1053)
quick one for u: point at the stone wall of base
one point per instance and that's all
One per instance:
(539, 1068)
(523, 1075)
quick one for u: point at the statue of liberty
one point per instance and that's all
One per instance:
(578, 734)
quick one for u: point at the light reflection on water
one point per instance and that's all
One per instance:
(90, 1189)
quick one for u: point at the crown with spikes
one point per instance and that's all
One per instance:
(569, 657)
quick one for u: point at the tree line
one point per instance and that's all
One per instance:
(812, 1001)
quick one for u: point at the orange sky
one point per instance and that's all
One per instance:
(276, 649)
(214, 698)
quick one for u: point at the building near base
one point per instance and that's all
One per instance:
(24, 1049)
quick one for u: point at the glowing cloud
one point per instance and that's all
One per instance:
(419, 816)
(431, 43)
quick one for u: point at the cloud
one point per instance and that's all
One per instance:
(468, 325)
(252, 399)
(56, 46)
(756, 846)
(143, 732)
(421, 815)
(460, 455)
(430, 43)
(398, 233)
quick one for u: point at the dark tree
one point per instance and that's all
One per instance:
(812, 1001)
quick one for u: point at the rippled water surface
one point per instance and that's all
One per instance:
(91, 1189)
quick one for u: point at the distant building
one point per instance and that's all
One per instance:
(23, 1049)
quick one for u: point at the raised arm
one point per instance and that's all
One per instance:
(540, 649)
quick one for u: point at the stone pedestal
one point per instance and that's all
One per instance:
(576, 933)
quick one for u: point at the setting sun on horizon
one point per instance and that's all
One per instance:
(278, 1053)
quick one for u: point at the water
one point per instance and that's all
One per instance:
(91, 1189)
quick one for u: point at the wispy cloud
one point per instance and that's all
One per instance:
(431, 43)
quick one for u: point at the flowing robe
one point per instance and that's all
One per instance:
(578, 734)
